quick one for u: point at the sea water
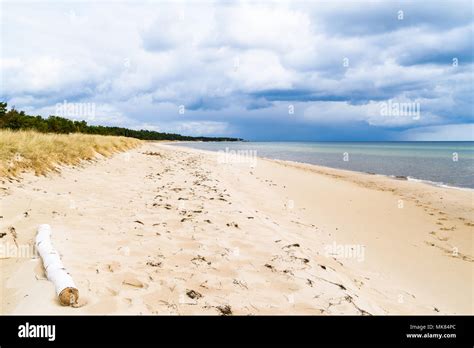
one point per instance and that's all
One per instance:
(440, 163)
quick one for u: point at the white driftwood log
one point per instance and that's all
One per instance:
(55, 271)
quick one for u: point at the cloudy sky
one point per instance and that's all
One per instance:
(301, 70)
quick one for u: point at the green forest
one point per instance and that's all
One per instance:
(18, 120)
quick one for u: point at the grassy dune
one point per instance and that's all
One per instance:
(42, 152)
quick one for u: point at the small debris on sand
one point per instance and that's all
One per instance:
(224, 310)
(193, 294)
(153, 264)
(296, 245)
(196, 260)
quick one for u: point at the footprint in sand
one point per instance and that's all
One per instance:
(113, 266)
(442, 239)
(132, 281)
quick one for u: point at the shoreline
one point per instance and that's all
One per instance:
(194, 235)
(392, 176)
(322, 167)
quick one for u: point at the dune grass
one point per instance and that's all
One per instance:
(22, 151)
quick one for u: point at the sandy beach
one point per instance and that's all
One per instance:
(163, 229)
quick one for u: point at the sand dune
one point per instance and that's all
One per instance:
(168, 230)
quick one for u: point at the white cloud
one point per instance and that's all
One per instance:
(452, 132)
(201, 127)
(144, 59)
(258, 70)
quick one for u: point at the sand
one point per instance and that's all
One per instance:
(169, 230)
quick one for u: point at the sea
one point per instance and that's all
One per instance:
(439, 163)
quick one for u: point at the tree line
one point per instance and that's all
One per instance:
(16, 120)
